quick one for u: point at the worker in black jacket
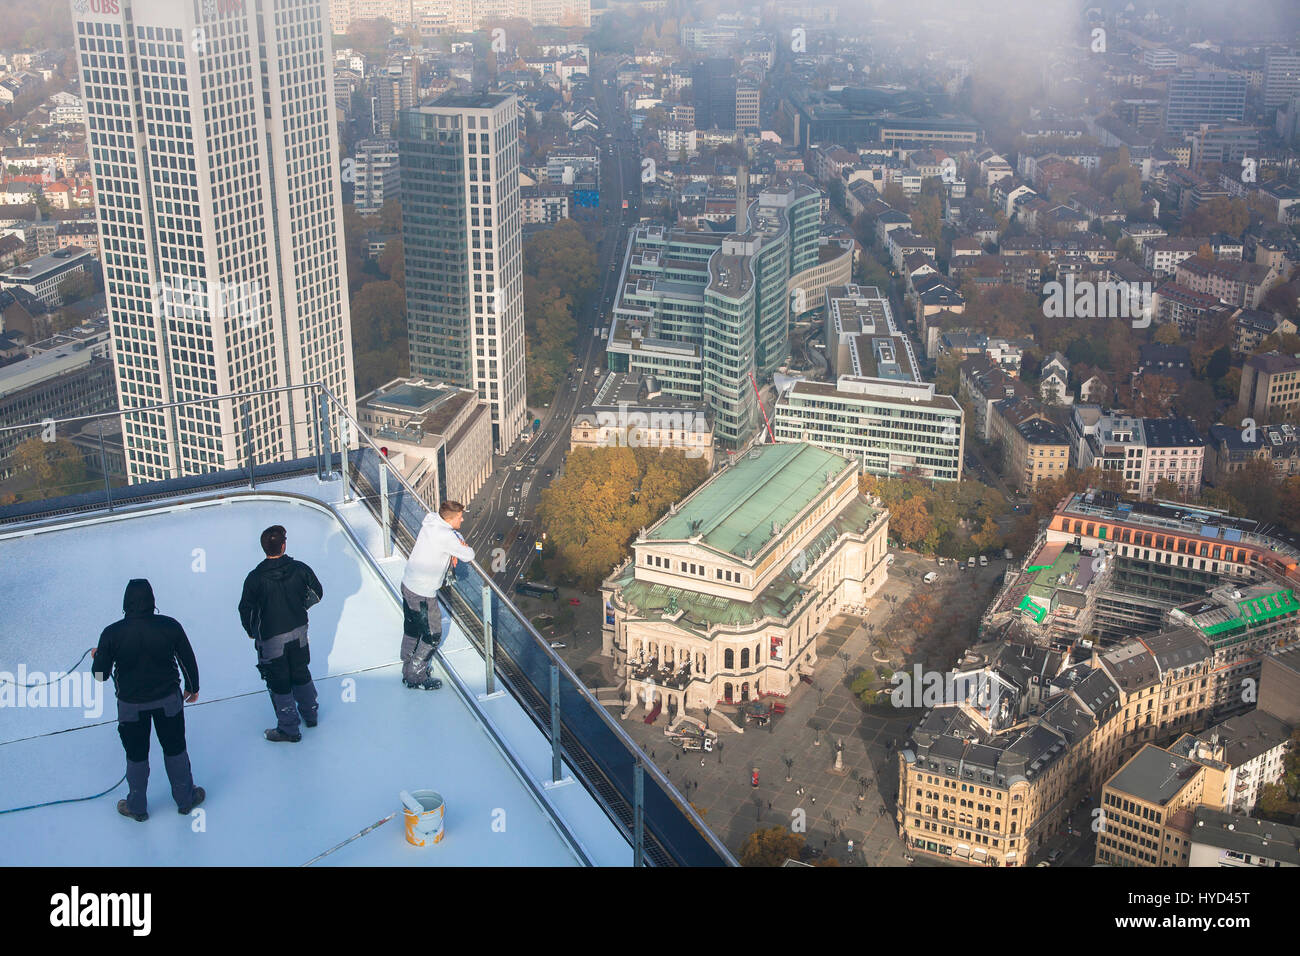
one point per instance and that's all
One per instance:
(141, 651)
(273, 610)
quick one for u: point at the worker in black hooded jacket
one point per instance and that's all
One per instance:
(141, 651)
(273, 611)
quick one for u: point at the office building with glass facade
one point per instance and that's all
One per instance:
(461, 234)
(702, 312)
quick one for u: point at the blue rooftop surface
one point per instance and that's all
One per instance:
(273, 804)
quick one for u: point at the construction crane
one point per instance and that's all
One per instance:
(766, 421)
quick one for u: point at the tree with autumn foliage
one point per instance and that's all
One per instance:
(559, 279)
(771, 847)
(592, 512)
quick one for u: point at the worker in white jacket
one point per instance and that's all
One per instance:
(433, 559)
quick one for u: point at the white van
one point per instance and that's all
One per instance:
(931, 577)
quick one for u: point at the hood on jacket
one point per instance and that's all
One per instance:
(138, 599)
(277, 568)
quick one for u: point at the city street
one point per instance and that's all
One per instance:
(501, 524)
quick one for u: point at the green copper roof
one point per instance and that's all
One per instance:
(705, 611)
(735, 511)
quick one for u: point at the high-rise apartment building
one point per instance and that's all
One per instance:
(459, 161)
(713, 85)
(216, 161)
(1281, 77)
(1204, 96)
(392, 90)
(376, 178)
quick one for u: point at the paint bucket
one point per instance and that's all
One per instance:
(425, 825)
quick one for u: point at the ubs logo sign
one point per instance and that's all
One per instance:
(96, 6)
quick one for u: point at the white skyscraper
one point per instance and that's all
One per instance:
(461, 225)
(212, 139)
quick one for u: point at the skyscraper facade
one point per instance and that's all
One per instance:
(713, 86)
(1204, 96)
(461, 219)
(213, 146)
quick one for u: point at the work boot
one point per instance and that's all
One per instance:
(277, 736)
(286, 714)
(429, 683)
(199, 794)
(123, 809)
(305, 697)
(178, 773)
(137, 783)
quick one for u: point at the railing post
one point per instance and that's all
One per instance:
(555, 723)
(489, 652)
(248, 443)
(638, 813)
(103, 466)
(326, 459)
(345, 439)
(383, 508)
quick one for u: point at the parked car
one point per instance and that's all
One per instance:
(930, 577)
(889, 559)
(984, 561)
(970, 562)
(574, 601)
(510, 513)
(1053, 856)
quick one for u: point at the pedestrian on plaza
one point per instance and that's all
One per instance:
(142, 652)
(433, 560)
(273, 611)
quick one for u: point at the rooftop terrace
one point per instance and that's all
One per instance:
(516, 794)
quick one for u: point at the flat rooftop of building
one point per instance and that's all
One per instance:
(1247, 835)
(16, 376)
(1154, 775)
(730, 275)
(33, 269)
(633, 391)
(1183, 518)
(852, 388)
(267, 804)
(471, 101)
(734, 512)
